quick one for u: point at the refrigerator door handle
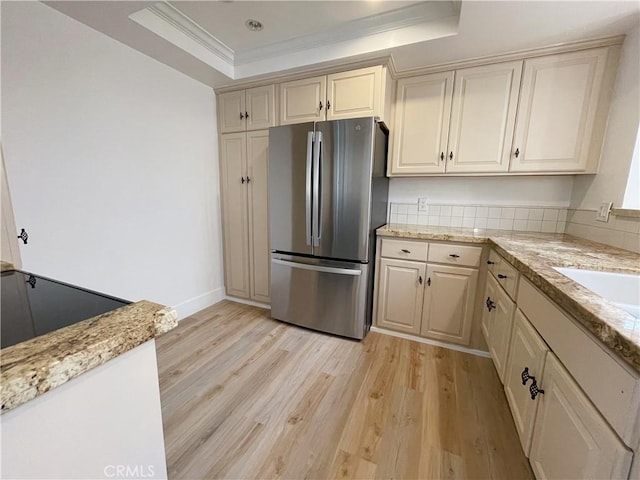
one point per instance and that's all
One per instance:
(317, 178)
(309, 170)
(318, 268)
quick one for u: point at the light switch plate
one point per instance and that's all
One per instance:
(422, 204)
(604, 211)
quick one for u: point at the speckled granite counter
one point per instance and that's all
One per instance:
(535, 255)
(36, 366)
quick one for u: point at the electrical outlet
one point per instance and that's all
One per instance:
(604, 211)
(422, 204)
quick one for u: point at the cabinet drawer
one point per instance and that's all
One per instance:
(505, 273)
(455, 254)
(608, 384)
(404, 250)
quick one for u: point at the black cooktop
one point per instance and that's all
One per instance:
(31, 305)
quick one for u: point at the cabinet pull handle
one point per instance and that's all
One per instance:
(517, 152)
(248, 179)
(450, 155)
(241, 115)
(442, 156)
(24, 236)
(420, 279)
(489, 262)
(525, 375)
(242, 180)
(429, 282)
(454, 255)
(246, 115)
(501, 276)
(328, 105)
(320, 104)
(490, 304)
(405, 250)
(534, 390)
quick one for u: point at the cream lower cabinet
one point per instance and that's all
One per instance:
(571, 439)
(499, 317)
(448, 303)
(431, 295)
(400, 294)
(526, 359)
(245, 216)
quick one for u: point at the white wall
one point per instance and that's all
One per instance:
(539, 191)
(620, 138)
(112, 161)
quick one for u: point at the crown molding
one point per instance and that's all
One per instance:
(356, 29)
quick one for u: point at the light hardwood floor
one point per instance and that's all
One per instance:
(245, 396)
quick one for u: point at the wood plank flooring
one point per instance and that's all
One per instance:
(244, 396)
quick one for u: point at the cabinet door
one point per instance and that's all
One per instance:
(261, 107)
(448, 303)
(303, 100)
(527, 350)
(257, 173)
(401, 290)
(556, 112)
(234, 214)
(488, 309)
(500, 330)
(423, 108)
(231, 108)
(354, 94)
(570, 438)
(483, 115)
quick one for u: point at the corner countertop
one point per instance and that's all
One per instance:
(34, 367)
(535, 255)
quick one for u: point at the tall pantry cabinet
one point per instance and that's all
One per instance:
(244, 167)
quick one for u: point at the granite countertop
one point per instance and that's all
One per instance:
(43, 363)
(535, 255)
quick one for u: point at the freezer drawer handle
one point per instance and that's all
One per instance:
(318, 268)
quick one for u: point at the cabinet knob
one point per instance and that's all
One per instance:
(420, 279)
(517, 152)
(320, 104)
(450, 155)
(248, 179)
(525, 375)
(442, 156)
(24, 236)
(328, 105)
(405, 250)
(242, 180)
(241, 115)
(454, 255)
(429, 282)
(246, 115)
(534, 390)
(490, 304)
(501, 276)
(489, 262)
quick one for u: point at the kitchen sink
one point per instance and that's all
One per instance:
(621, 289)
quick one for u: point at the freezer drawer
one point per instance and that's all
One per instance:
(324, 295)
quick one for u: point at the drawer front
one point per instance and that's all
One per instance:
(608, 384)
(452, 254)
(404, 250)
(505, 273)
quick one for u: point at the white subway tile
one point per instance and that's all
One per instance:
(632, 242)
(423, 219)
(434, 210)
(561, 227)
(626, 224)
(434, 220)
(468, 222)
(495, 212)
(520, 225)
(508, 213)
(534, 225)
(412, 209)
(457, 211)
(456, 221)
(550, 215)
(469, 212)
(403, 208)
(493, 223)
(412, 219)
(562, 215)
(393, 218)
(445, 211)
(402, 218)
(536, 213)
(445, 221)
(506, 223)
(482, 212)
(480, 222)
(394, 208)
(522, 214)
(548, 226)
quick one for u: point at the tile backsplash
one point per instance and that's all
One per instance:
(494, 217)
(621, 232)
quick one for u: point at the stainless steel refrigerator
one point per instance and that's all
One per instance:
(327, 195)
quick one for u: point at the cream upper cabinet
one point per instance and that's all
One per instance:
(527, 354)
(356, 93)
(303, 100)
(483, 112)
(421, 125)
(400, 294)
(244, 169)
(570, 438)
(233, 154)
(251, 109)
(448, 303)
(557, 111)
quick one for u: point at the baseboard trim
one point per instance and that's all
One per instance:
(450, 346)
(248, 302)
(195, 304)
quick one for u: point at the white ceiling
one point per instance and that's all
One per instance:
(208, 41)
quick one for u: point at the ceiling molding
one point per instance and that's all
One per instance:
(356, 29)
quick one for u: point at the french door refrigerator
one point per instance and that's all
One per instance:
(327, 195)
